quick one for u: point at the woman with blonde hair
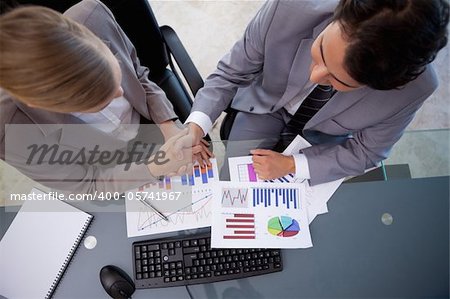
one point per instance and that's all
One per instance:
(75, 81)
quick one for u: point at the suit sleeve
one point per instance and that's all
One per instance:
(237, 68)
(365, 149)
(84, 179)
(74, 170)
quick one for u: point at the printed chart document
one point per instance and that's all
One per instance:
(241, 170)
(259, 215)
(185, 200)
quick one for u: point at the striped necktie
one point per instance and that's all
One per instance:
(318, 97)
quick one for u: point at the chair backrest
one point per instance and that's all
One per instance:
(139, 23)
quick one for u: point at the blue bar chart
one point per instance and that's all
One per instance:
(198, 177)
(276, 197)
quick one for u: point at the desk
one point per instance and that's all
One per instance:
(354, 254)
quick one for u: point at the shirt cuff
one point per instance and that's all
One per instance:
(301, 166)
(201, 119)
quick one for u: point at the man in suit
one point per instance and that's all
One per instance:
(72, 95)
(348, 76)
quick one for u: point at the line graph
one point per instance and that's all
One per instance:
(234, 197)
(197, 211)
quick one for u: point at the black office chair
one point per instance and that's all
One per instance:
(155, 46)
(227, 123)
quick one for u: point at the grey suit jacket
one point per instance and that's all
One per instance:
(70, 133)
(269, 66)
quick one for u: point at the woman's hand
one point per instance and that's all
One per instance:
(169, 129)
(270, 165)
(194, 139)
(171, 161)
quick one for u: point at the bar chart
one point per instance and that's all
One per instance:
(246, 173)
(198, 177)
(239, 226)
(268, 197)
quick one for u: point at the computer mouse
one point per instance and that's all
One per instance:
(116, 282)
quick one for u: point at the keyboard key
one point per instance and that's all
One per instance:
(153, 247)
(138, 266)
(191, 250)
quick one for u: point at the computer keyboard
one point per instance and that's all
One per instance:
(190, 260)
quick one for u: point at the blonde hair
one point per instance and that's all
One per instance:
(48, 60)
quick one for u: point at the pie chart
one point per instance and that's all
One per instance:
(283, 226)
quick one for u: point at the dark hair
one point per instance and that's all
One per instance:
(391, 41)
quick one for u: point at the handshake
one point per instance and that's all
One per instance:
(181, 151)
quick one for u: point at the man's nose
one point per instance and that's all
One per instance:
(318, 73)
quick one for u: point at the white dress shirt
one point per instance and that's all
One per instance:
(118, 119)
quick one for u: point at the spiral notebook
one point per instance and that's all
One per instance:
(38, 246)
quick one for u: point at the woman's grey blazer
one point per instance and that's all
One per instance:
(22, 126)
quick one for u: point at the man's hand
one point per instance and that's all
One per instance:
(194, 138)
(270, 165)
(178, 161)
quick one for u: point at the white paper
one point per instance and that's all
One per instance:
(318, 195)
(241, 170)
(36, 246)
(193, 212)
(259, 215)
